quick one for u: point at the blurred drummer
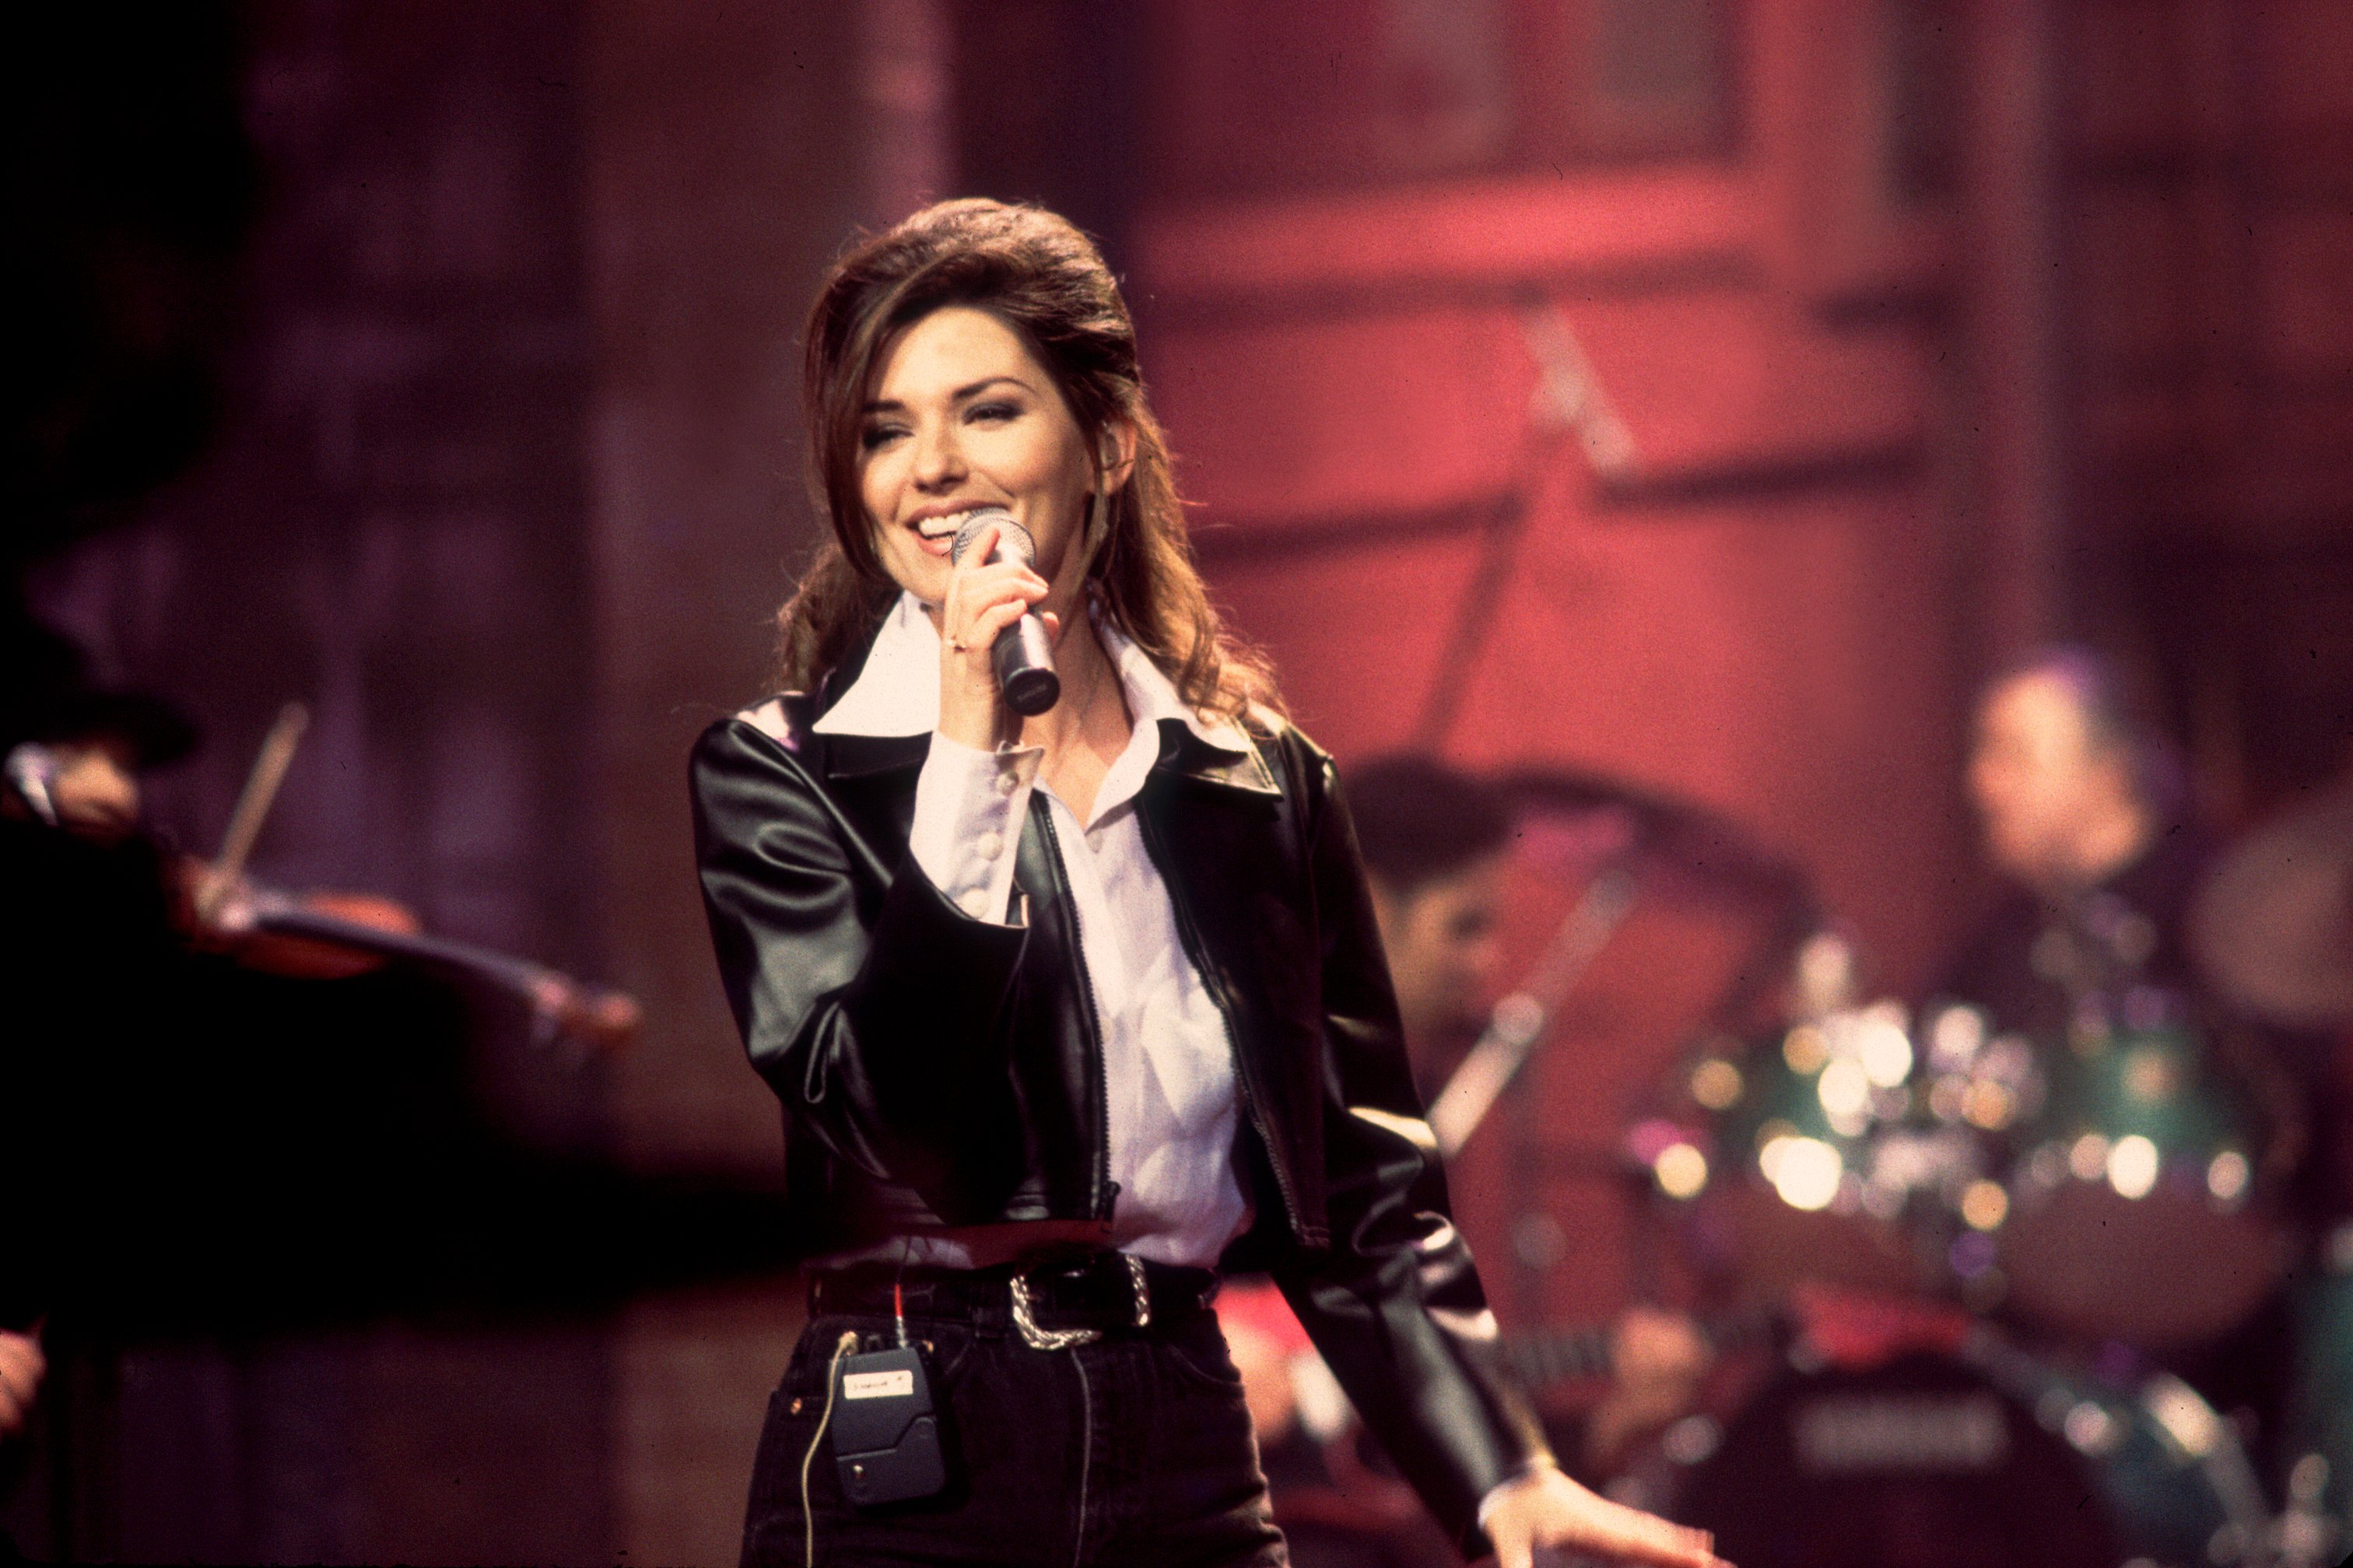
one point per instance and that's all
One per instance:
(2083, 808)
(2085, 811)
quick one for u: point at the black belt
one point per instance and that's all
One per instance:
(1053, 1301)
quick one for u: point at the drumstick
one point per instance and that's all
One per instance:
(253, 803)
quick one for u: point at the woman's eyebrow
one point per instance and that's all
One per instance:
(893, 405)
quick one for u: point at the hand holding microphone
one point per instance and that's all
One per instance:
(988, 605)
(1023, 655)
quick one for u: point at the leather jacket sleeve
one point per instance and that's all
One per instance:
(1394, 1303)
(882, 1021)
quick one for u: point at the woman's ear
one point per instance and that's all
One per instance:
(1115, 454)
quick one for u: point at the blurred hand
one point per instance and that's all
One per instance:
(95, 791)
(21, 1368)
(1657, 1360)
(1545, 1508)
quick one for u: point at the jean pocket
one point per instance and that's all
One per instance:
(1195, 1349)
(773, 1510)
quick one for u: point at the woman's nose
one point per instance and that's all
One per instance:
(939, 460)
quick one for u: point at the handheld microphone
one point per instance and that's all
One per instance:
(1023, 657)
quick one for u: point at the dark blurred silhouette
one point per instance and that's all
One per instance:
(129, 186)
(203, 1154)
(129, 181)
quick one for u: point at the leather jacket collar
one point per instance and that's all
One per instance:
(1183, 755)
(890, 680)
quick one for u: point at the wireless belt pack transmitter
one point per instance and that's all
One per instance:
(886, 1435)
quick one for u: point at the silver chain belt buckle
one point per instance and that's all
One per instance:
(1025, 1313)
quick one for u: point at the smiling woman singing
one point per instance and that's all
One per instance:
(1065, 1011)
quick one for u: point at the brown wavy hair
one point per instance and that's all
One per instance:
(1037, 273)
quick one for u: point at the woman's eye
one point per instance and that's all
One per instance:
(874, 436)
(992, 412)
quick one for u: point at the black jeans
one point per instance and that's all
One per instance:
(1135, 1450)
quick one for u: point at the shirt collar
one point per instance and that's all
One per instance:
(898, 692)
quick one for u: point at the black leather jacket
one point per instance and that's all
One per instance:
(939, 1070)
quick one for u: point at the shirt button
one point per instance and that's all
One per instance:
(989, 846)
(974, 903)
(1007, 783)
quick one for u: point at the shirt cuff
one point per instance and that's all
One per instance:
(969, 808)
(1536, 1466)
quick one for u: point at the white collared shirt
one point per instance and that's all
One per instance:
(1167, 1062)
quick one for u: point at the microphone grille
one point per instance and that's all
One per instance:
(1010, 535)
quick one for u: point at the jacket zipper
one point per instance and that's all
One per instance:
(1106, 1194)
(1192, 941)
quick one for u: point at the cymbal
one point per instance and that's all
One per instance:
(1695, 839)
(2273, 924)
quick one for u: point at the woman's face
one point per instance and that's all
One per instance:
(962, 415)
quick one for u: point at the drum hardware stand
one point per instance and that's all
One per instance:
(1504, 1047)
(2305, 1536)
(1518, 1020)
(1569, 399)
(2185, 1416)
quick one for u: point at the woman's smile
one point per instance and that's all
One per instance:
(937, 530)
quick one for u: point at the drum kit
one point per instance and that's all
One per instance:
(2111, 1192)
(2107, 1190)
(2026, 1230)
